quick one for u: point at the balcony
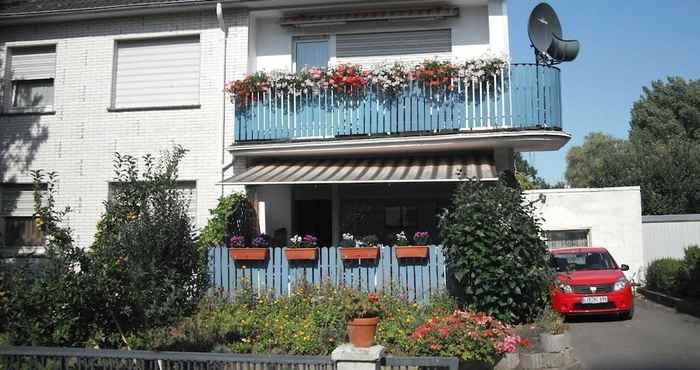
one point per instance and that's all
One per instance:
(520, 97)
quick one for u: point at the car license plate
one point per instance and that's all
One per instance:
(594, 300)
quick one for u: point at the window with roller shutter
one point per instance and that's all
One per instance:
(31, 71)
(369, 48)
(188, 189)
(153, 73)
(17, 224)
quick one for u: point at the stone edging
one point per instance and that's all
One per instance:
(681, 305)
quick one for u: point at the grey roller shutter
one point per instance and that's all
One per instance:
(17, 200)
(157, 72)
(367, 46)
(33, 63)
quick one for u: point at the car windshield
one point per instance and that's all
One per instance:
(582, 261)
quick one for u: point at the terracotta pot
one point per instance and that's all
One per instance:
(301, 254)
(411, 251)
(362, 253)
(361, 331)
(248, 254)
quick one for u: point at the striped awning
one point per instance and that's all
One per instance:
(368, 170)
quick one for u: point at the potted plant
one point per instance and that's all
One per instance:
(240, 252)
(365, 249)
(419, 249)
(302, 249)
(362, 312)
(555, 337)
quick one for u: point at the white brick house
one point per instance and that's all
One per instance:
(101, 95)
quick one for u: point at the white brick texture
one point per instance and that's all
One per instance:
(80, 138)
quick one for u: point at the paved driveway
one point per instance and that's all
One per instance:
(656, 338)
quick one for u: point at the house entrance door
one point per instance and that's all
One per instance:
(314, 217)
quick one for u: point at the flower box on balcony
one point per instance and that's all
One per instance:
(359, 253)
(248, 254)
(301, 254)
(411, 251)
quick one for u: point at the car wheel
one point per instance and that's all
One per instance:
(627, 315)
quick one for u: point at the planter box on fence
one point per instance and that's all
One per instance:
(301, 254)
(248, 254)
(411, 251)
(361, 253)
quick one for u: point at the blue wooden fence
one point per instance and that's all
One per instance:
(419, 278)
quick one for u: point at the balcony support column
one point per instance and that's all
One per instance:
(504, 158)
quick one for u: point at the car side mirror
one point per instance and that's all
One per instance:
(624, 267)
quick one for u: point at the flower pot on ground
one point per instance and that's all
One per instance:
(362, 312)
(555, 338)
(554, 342)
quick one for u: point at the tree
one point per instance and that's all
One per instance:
(601, 161)
(662, 154)
(497, 261)
(526, 174)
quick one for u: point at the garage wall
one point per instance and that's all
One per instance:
(613, 216)
(669, 235)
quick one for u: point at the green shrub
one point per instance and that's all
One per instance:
(662, 275)
(233, 215)
(496, 259)
(688, 277)
(145, 259)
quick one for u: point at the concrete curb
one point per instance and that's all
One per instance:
(681, 305)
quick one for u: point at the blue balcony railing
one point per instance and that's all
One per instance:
(521, 96)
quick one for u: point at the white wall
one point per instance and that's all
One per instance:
(613, 215)
(669, 235)
(79, 139)
(278, 206)
(470, 35)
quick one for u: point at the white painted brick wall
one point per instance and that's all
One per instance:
(79, 140)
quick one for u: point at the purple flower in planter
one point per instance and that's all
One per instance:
(421, 237)
(309, 241)
(236, 241)
(261, 241)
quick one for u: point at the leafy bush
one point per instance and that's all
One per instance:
(233, 215)
(145, 259)
(688, 278)
(662, 275)
(552, 322)
(48, 301)
(497, 261)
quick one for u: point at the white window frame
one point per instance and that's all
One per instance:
(8, 88)
(587, 229)
(312, 38)
(15, 250)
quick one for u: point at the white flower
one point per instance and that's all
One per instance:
(348, 236)
(296, 239)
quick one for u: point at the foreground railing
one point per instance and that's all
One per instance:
(51, 358)
(519, 96)
(417, 278)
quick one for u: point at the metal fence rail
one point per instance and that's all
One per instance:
(418, 278)
(423, 363)
(50, 358)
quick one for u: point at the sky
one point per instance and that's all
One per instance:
(625, 45)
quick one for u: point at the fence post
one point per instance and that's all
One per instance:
(349, 357)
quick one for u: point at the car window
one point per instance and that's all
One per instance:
(582, 261)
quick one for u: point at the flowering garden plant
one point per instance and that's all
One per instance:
(360, 305)
(467, 335)
(236, 241)
(261, 241)
(295, 242)
(348, 241)
(421, 237)
(351, 79)
(401, 239)
(309, 241)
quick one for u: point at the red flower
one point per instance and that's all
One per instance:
(434, 347)
(373, 297)
(525, 343)
(444, 331)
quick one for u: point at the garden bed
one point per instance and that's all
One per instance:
(683, 305)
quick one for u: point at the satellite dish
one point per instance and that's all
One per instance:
(545, 34)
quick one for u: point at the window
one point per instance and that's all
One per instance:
(567, 238)
(310, 52)
(156, 73)
(32, 72)
(17, 224)
(376, 47)
(400, 216)
(187, 188)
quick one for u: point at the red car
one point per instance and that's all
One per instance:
(589, 282)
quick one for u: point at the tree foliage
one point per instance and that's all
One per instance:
(233, 215)
(494, 252)
(527, 175)
(662, 154)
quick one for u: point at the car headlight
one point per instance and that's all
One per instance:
(620, 283)
(565, 288)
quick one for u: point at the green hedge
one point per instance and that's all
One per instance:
(662, 275)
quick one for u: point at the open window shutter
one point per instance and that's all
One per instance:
(157, 72)
(367, 48)
(33, 63)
